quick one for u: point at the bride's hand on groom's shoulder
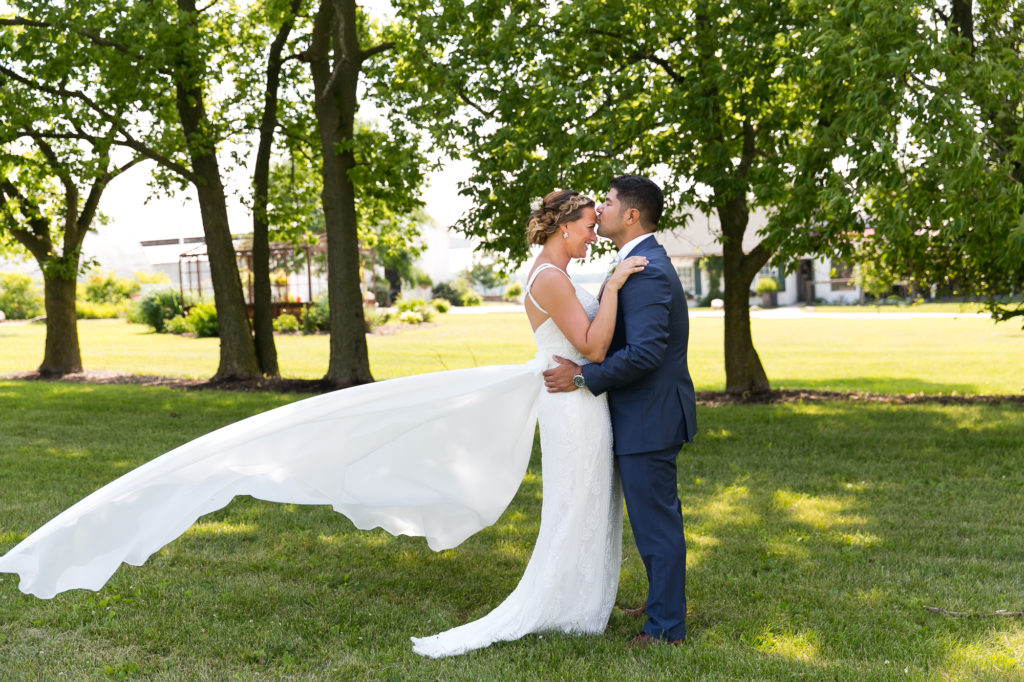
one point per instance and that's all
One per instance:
(631, 265)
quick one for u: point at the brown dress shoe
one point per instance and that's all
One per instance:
(634, 613)
(644, 640)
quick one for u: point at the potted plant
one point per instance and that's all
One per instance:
(768, 288)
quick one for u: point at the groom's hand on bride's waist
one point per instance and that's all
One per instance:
(560, 379)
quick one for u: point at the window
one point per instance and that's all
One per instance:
(686, 278)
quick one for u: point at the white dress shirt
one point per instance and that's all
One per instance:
(629, 246)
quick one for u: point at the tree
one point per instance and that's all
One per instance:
(931, 184)
(50, 185)
(280, 19)
(336, 58)
(148, 70)
(713, 98)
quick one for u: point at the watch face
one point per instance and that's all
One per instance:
(578, 380)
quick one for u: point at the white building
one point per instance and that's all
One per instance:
(814, 279)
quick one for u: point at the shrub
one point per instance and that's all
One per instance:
(447, 292)
(106, 287)
(411, 317)
(20, 297)
(441, 305)
(317, 316)
(375, 317)
(513, 291)
(88, 310)
(424, 310)
(177, 325)
(766, 285)
(286, 322)
(203, 319)
(156, 307)
(407, 304)
(458, 293)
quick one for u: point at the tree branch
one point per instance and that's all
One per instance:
(755, 260)
(114, 121)
(376, 49)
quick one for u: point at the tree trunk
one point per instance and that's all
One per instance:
(394, 279)
(743, 370)
(335, 81)
(262, 317)
(237, 351)
(62, 354)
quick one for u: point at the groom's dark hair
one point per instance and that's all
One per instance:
(642, 194)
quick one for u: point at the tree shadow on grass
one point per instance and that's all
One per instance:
(818, 533)
(879, 385)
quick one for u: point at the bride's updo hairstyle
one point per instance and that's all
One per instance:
(557, 208)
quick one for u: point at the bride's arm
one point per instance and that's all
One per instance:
(556, 294)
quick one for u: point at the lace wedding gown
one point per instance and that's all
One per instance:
(434, 455)
(572, 576)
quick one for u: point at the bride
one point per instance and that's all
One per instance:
(435, 455)
(573, 574)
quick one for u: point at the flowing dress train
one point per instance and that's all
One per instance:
(435, 455)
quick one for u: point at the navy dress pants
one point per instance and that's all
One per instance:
(652, 500)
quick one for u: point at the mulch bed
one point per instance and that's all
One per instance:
(705, 398)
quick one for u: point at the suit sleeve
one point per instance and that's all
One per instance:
(644, 303)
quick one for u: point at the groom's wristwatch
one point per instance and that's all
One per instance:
(578, 378)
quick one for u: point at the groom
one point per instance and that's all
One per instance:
(650, 396)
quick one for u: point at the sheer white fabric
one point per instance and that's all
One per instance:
(570, 581)
(435, 455)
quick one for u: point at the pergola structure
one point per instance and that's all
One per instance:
(307, 283)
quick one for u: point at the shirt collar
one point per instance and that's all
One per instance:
(630, 245)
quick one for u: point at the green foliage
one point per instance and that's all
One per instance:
(441, 305)
(178, 325)
(513, 291)
(202, 318)
(20, 297)
(873, 278)
(156, 307)
(107, 287)
(317, 317)
(457, 292)
(714, 266)
(486, 276)
(87, 310)
(151, 277)
(286, 322)
(766, 285)
(375, 316)
(420, 310)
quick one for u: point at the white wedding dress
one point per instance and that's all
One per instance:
(434, 455)
(570, 582)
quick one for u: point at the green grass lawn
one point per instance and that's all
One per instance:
(933, 356)
(817, 534)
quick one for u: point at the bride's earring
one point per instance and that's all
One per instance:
(565, 235)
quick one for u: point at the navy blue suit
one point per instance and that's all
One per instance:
(653, 411)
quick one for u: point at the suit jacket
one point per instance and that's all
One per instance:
(650, 392)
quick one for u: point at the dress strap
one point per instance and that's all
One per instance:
(529, 283)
